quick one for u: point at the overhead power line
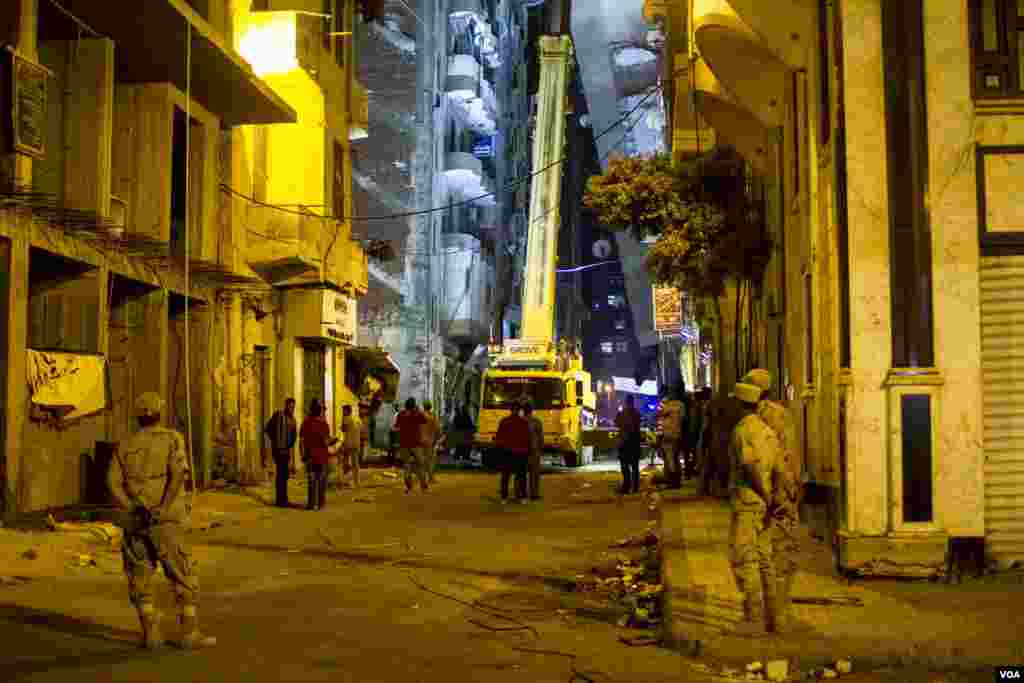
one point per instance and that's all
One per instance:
(510, 185)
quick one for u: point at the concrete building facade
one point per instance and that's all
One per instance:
(170, 181)
(885, 135)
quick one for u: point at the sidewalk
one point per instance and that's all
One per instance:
(973, 625)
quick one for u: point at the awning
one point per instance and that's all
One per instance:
(152, 47)
(378, 363)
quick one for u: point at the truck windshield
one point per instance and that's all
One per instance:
(543, 392)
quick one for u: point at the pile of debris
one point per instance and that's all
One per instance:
(777, 670)
(632, 583)
(96, 533)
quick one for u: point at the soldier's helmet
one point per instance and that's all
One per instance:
(149, 404)
(748, 393)
(759, 378)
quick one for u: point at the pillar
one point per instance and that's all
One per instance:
(14, 272)
(23, 34)
(200, 358)
(150, 356)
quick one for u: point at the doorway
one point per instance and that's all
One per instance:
(314, 374)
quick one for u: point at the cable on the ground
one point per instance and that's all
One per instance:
(575, 674)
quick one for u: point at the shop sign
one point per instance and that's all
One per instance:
(484, 147)
(338, 320)
(28, 110)
(668, 309)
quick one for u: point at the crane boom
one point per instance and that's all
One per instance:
(546, 190)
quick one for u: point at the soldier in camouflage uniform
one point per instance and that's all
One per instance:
(754, 451)
(784, 513)
(147, 480)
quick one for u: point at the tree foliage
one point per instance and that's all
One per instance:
(707, 230)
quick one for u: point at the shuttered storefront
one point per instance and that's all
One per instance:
(1002, 346)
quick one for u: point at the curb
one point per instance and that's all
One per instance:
(697, 628)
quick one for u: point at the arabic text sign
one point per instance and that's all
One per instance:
(668, 308)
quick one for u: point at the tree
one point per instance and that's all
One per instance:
(709, 231)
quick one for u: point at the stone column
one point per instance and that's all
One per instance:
(150, 356)
(200, 351)
(14, 271)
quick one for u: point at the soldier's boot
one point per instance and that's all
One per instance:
(149, 618)
(753, 623)
(776, 617)
(191, 637)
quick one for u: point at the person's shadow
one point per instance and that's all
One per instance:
(46, 640)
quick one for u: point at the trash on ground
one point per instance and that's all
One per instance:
(844, 666)
(82, 560)
(363, 499)
(829, 673)
(754, 667)
(846, 600)
(30, 554)
(777, 670)
(639, 641)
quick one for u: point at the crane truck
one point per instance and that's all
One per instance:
(531, 367)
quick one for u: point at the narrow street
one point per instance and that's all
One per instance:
(377, 587)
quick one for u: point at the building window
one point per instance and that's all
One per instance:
(616, 300)
(339, 181)
(607, 347)
(997, 47)
(622, 347)
(620, 324)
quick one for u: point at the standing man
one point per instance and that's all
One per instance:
(147, 480)
(410, 423)
(784, 512)
(628, 424)
(282, 430)
(536, 449)
(464, 427)
(513, 440)
(315, 442)
(754, 450)
(670, 424)
(351, 427)
(431, 437)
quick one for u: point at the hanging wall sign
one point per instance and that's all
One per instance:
(668, 309)
(28, 99)
(339, 316)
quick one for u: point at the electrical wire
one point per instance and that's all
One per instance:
(510, 185)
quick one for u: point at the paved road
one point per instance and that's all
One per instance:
(372, 590)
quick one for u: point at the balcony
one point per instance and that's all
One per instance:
(153, 46)
(787, 27)
(733, 123)
(464, 179)
(281, 246)
(741, 61)
(466, 276)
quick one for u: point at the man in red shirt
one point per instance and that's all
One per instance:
(410, 424)
(513, 440)
(315, 438)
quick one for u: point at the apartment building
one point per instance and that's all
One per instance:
(886, 135)
(170, 181)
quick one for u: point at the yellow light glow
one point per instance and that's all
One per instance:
(270, 43)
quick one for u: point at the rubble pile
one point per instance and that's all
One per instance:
(630, 583)
(776, 670)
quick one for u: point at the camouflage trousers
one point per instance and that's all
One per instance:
(751, 548)
(160, 545)
(783, 532)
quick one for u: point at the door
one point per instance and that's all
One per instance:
(314, 375)
(259, 406)
(1002, 371)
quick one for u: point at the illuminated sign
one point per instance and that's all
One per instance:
(668, 308)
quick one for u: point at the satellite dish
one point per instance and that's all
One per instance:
(584, 120)
(602, 249)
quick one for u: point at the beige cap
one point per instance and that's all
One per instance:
(759, 378)
(748, 393)
(149, 404)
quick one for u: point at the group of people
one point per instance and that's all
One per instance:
(520, 445)
(418, 436)
(320, 449)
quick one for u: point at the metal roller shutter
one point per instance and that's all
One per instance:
(1002, 363)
